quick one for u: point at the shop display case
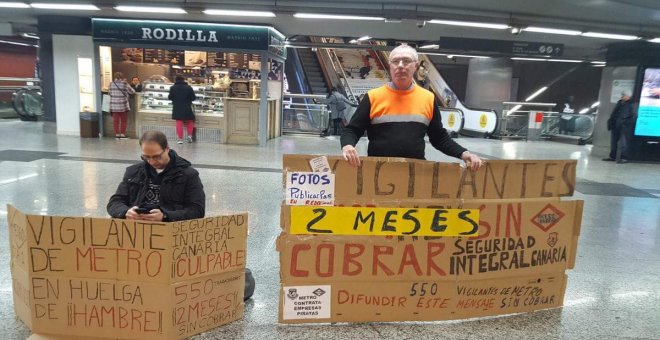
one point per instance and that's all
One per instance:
(154, 98)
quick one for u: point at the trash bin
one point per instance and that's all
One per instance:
(89, 124)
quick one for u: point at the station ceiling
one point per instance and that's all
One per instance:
(407, 20)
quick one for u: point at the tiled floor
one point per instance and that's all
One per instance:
(613, 292)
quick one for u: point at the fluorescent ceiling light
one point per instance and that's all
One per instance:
(146, 9)
(551, 30)
(14, 5)
(530, 59)
(466, 56)
(584, 110)
(656, 40)
(239, 13)
(72, 7)
(334, 16)
(610, 36)
(363, 38)
(435, 46)
(595, 104)
(599, 62)
(470, 24)
(535, 94)
(565, 60)
(30, 35)
(16, 43)
(513, 109)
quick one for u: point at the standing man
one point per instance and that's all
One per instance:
(337, 104)
(164, 187)
(398, 115)
(621, 123)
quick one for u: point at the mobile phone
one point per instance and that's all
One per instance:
(142, 210)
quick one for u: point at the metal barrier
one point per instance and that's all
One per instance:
(23, 99)
(304, 113)
(517, 122)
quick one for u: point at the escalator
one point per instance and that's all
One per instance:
(24, 101)
(476, 122)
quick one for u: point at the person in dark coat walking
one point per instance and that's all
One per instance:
(182, 96)
(621, 123)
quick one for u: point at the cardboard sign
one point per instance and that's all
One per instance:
(310, 188)
(525, 240)
(125, 309)
(399, 178)
(384, 221)
(127, 249)
(125, 279)
(320, 164)
(306, 302)
(437, 300)
(515, 238)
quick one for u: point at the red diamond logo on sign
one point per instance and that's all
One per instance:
(547, 217)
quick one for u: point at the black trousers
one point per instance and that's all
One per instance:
(619, 143)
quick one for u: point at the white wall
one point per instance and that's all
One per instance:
(66, 51)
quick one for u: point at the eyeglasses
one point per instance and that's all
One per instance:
(153, 158)
(405, 61)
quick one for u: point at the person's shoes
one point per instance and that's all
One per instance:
(189, 139)
(609, 159)
(123, 136)
(249, 285)
(621, 161)
(179, 141)
(117, 137)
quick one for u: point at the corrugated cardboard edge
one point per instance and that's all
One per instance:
(42, 336)
(577, 226)
(559, 304)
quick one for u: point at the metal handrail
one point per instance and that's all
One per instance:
(36, 80)
(314, 117)
(339, 69)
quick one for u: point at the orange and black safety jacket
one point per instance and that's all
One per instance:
(396, 122)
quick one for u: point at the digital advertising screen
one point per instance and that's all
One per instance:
(648, 115)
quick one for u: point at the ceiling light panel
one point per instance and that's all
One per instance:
(470, 24)
(224, 12)
(335, 17)
(68, 7)
(609, 36)
(149, 9)
(551, 30)
(14, 5)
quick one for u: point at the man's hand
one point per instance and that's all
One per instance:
(351, 155)
(132, 215)
(472, 160)
(154, 215)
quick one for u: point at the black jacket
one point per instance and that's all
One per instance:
(181, 191)
(399, 139)
(623, 116)
(182, 96)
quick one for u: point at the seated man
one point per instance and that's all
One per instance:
(165, 187)
(165, 184)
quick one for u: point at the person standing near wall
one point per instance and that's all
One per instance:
(182, 96)
(120, 91)
(620, 123)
